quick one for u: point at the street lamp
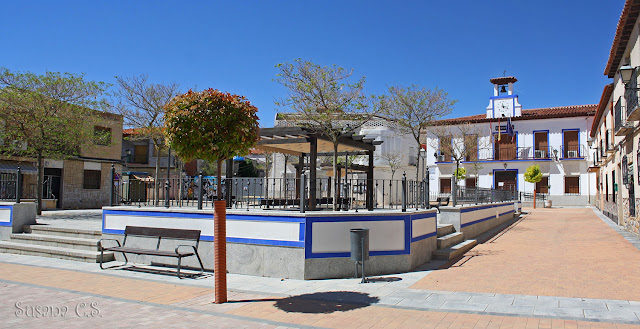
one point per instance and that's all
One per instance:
(626, 71)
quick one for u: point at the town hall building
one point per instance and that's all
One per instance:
(497, 146)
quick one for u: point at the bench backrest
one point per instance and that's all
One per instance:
(158, 232)
(443, 199)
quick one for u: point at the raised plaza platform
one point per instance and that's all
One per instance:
(287, 244)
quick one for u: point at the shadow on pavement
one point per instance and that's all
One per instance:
(169, 272)
(384, 279)
(326, 302)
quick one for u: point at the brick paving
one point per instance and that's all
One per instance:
(550, 252)
(70, 309)
(132, 299)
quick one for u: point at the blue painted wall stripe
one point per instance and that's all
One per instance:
(486, 218)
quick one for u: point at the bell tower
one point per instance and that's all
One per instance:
(503, 103)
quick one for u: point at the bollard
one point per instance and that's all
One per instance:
(200, 183)
(113, 176)
(166, 194)
(404, 192)
(302, 190)
(18, 185)
(360, 248)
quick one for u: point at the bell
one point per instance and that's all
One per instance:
(503, 89)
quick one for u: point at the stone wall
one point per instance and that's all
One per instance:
(630, 223)
(75, 196)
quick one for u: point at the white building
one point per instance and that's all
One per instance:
(553, 138)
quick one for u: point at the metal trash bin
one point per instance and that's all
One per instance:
(360, 248)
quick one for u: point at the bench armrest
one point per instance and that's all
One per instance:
(186, 245)
(100, 242)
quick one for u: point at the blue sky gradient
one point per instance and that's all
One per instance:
(557, 49)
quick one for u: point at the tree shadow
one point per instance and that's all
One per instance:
(326, 302)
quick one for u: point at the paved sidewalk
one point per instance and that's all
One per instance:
(550, 252)
(126, 302)
(342, 303)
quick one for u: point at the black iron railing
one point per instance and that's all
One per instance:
(288, 194)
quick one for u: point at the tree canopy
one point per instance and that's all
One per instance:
(413, 108)
(326, 100)
(533, 174)
(50, 115)
(211, 125)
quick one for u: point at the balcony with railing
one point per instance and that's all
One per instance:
(572, 152)
(631, 97)
(622, 126)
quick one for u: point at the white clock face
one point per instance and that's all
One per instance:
(503, 107)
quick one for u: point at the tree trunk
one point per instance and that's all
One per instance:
(534, 198)
(454, 185)
(155, 181)
(418, 164)
(39, 184)
(336, 192)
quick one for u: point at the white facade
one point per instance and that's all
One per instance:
(559, 157)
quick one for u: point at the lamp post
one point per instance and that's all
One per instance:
(425, 178)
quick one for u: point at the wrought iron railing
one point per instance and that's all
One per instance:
(620, 117)
(287, 194)
(631, 93)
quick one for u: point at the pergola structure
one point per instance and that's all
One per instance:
(306, 142)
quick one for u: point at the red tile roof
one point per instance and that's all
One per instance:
(129, 131)
(604, 100)
(544, 113)
(503, 80)
(623, 32)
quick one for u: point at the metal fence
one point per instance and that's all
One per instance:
(11, 186)
(288, 194)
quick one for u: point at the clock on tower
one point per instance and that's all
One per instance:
(504, 102)
(503, 107)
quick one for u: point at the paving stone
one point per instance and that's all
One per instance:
(510, 309)
(420, 303)
(457, 306)
(389, 300)
(461, 298)
(610, 315)
(558, 312)
(583, 304)
(409, 294)
(492, 300)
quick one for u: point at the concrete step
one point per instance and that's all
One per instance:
(455, 251)
(445, 229)
(56, 241)
(62, 231)
(53, 252)
(450, 240)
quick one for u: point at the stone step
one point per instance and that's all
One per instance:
(445, 229)
(450, 240)
(53, 252)
(455, 251)
(56, 241)
(62, 231)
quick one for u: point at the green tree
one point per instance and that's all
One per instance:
(533, 175)
(213, 126)
(326, 100)
(50, 115)
(461, 173)
(414, 108)
(247, 169)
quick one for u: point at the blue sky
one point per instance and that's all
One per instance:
(556, 49)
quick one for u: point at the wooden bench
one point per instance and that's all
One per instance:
(155, 232)
(441, 201)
